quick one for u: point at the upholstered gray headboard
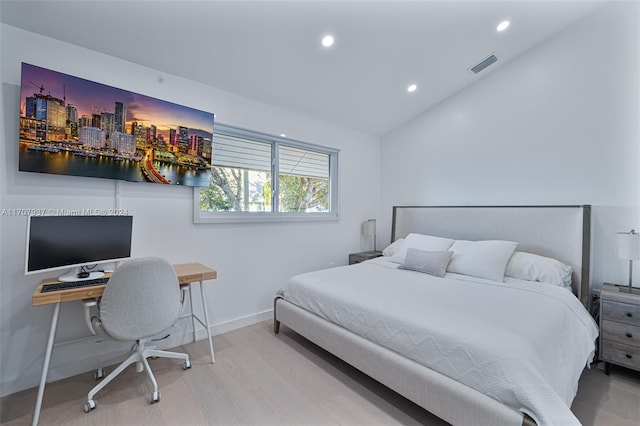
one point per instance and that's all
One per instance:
(561, 232)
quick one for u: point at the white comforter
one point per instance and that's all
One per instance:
(524, 344)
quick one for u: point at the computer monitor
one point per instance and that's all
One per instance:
(76, 242)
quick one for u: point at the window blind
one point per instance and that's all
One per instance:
(301, 162)
(235, 152)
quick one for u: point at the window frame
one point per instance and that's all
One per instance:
(201, 216)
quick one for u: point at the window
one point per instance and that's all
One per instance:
(257, 177)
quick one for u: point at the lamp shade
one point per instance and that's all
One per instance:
(629, 245)
(369, 227)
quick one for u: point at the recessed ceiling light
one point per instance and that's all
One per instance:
(282, 135)
(503, 26)
(327, 41)
(412, 88)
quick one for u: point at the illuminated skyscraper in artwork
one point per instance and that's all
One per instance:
(172, 138)
(120, 118)
(72, 113)
(183, 139)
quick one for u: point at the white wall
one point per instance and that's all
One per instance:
(557, 125)
(253, 260)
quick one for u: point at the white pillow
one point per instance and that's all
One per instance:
(393, 247)
(482, 259)
(421, 242)
(533, 267)
(428, 262)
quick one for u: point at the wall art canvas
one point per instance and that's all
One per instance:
(73, 126)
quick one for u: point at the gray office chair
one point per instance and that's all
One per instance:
(141, 299)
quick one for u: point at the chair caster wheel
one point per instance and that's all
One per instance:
(99, 374)
(90, 405)
(187, 365)
(155, 397)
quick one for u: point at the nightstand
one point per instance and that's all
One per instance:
(362, 256)
(619, 328)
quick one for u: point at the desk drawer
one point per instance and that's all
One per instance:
(621, 312)
(621, 333)
(617, 353)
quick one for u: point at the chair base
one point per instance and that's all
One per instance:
(139, 356)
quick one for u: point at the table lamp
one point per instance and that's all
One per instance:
(369, 229)
(629, 249)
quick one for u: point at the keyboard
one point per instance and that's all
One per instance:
(74, 284)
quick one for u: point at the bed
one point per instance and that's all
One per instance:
(470, 346)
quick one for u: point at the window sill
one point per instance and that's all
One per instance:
(256, 217)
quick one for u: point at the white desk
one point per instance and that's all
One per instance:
(188, 274)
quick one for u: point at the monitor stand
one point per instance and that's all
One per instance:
(73, 275)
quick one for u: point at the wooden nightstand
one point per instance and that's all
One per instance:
(619, 328)
(362, 256)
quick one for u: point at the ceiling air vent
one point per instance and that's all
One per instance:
(485, 63)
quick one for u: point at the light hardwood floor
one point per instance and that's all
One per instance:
(263, 379)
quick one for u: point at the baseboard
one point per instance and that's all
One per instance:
(98, 352)
(226, 326)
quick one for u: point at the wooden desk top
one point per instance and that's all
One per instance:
(186, 272)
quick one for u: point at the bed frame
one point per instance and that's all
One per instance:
(562, 232)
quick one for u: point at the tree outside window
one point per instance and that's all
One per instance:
(242, 178)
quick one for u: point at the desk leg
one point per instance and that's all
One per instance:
(45, 366)
(206, 320)
(193, 317)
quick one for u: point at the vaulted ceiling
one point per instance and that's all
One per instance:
(271, 51)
